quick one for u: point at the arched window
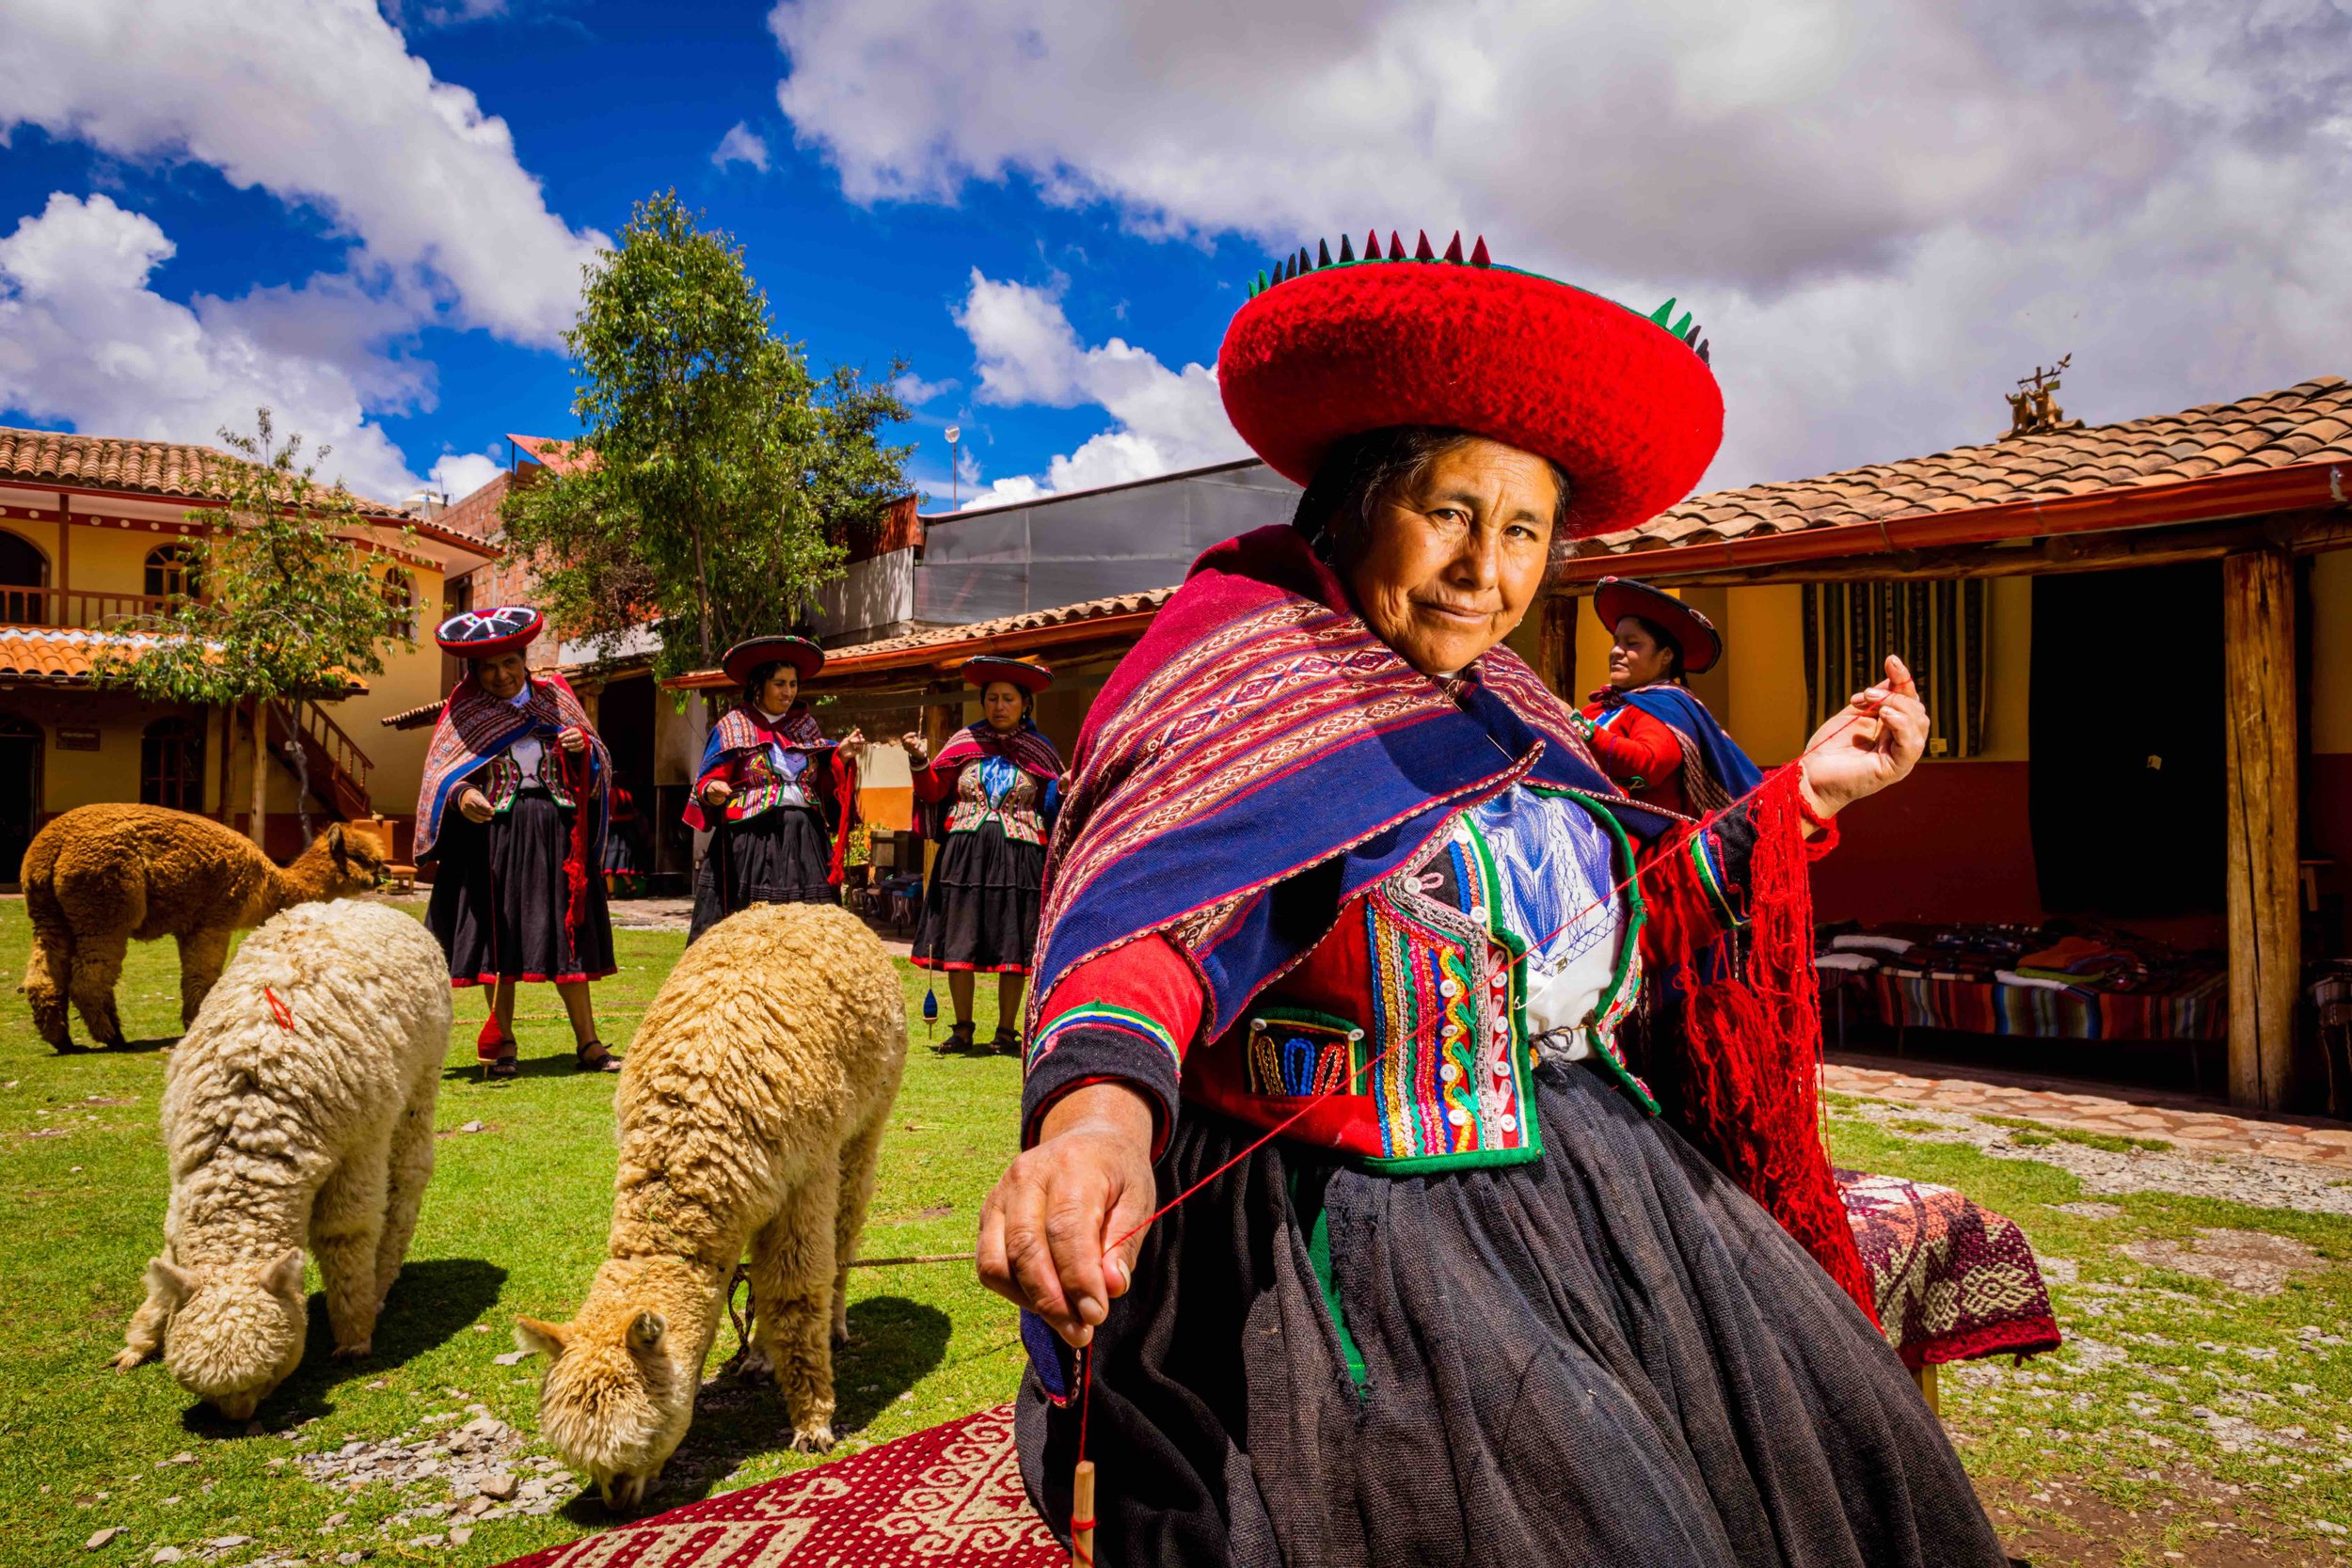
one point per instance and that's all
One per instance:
(172, 572)
(171, 763)
(400, 592)
(23, 576)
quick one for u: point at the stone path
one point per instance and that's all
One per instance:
(2190, 1124)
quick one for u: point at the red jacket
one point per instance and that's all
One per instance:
(1643, 755)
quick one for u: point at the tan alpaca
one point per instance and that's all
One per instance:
(308, 1122)
(750, 1109)
(99, 877)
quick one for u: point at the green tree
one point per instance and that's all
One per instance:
(719, 478)
(292, 607)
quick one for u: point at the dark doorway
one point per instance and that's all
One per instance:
(24, 575)
(2126, 727)
(20, 792)
(624, 717)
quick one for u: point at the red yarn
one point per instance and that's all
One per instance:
(579, 772)
(1750, 1078)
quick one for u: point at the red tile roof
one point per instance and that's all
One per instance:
(170, 469)
(63, 656)
(2308, 423)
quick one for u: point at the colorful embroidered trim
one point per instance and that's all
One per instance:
(1101, 1015)
(1295, 1051)
(1703, 858)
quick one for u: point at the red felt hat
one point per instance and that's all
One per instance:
(1614, 598)
(488, 633)
(984, 668)
(746, 656)
(1623, 402)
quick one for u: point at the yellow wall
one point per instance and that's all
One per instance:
(1764, 666)
(2332, 652)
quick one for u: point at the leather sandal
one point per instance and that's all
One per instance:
(958, 1039)
(493, 1042)
(595, 1057)
(1007, 1042)
(501, 1068)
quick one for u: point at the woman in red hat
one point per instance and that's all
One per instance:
(989, 798)
(1646, 728)
(514, 810)
(779, 798)
(1398, 1231)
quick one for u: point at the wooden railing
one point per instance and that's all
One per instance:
(338, 769)
(57, 607)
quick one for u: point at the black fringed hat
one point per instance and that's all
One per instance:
(1614, 598)
(488, 633)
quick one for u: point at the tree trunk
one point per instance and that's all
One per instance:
(2265, 963)
(702, 598)
(261, 776)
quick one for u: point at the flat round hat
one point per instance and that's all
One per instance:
(1623, 403)
(1614, 598)
(748, 656)
(984, 668)
(489, 633)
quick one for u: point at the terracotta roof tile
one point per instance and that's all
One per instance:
(62, 656)
(106, 463)
(2309, 422)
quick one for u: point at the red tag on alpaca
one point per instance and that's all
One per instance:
(283, 1015)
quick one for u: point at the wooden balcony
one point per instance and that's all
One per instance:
(75, 610)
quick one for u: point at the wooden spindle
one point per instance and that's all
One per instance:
(1082, 1516)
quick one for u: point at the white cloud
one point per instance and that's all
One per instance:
(318, 102)
(459, 474)
(740, 144)
(1884, 212)
(85, 341)
(1028, 353)
(915, 392)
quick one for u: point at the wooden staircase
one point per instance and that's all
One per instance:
(338, 769)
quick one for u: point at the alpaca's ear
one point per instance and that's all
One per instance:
(335, 842)
(169, 1283)
(533, 1337)
(284, 1276)
(645, 1331)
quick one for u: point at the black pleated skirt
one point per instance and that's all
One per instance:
(1610, 1355)
(980, 908)
(499, 900)
(782, 856)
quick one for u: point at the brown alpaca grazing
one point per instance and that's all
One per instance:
(100, 877)
(752, 1104)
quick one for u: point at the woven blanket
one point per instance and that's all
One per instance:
(1905, 998)
(1954, 1280)
(946, 1497)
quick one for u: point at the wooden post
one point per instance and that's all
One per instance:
(261, 778)
(1082, 1516)
(1556, 644)
(2265, 962)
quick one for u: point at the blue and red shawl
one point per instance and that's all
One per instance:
(744, 728)
(1708, 748)
(475, 728)
(1261, 728)
(1026, 747)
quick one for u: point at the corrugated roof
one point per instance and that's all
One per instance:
(107, 462)
(2309, 422)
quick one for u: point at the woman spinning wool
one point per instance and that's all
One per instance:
(990, 798)
(1647, 729)
(779, 798)
(513, 809)
(1543, 1262)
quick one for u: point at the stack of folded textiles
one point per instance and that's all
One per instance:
(2093, 982)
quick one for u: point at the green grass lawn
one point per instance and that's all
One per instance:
(515, 1222)
(2184, 1417)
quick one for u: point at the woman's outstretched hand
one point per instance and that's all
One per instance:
(1046, 1229)
(1871, 743)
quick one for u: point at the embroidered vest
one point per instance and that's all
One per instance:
(503, 780)
(993, 790)
(759, 786)
(1424, 981)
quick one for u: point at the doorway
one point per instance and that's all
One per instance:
(21, 743)
(23, 579)
(2126, 727)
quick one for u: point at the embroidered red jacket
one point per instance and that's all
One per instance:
(1642, 752)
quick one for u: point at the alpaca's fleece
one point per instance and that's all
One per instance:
(308, 1122)
(100, 877)
(751, 1107)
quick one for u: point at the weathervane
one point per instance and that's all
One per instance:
(2034, 409)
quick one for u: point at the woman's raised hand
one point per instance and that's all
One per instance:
(475, 806)
(854, 745)
(917, 748)
(574, 739)
(1046, 1227)
(1872, 742)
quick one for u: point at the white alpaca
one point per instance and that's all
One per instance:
(297, 1110)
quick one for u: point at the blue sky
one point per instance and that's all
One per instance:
(372, 217)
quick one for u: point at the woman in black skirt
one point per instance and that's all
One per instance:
(989, 798)
(513, 810)
(778, 797)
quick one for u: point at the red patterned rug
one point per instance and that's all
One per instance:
(946, 1497)
(1954, 1280)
